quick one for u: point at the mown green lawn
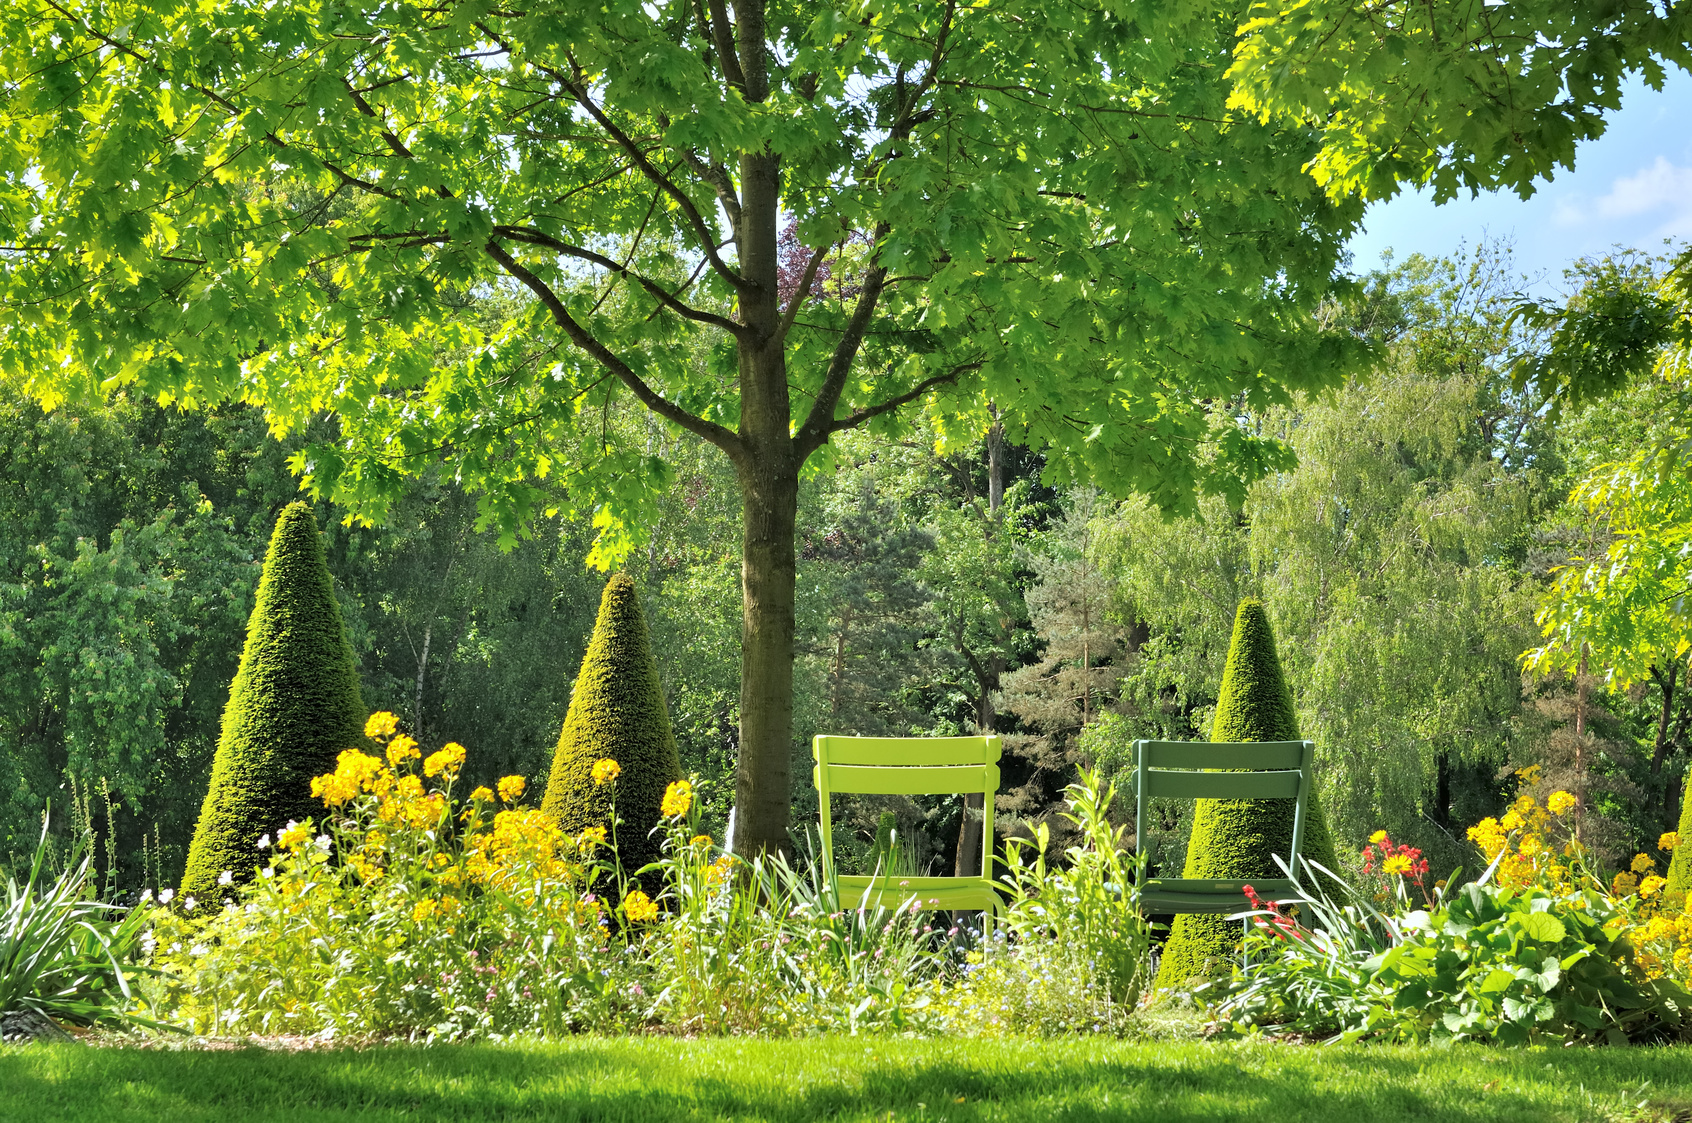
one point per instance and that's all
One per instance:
(651, 1079)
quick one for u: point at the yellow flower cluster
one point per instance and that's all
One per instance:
(605, 771)
(678, 797)
(638, 907)
(448, 760)
(1658, 922)
(511, 788)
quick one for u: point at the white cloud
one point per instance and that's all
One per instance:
(1662, 185)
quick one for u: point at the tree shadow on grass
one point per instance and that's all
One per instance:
(844, 1079)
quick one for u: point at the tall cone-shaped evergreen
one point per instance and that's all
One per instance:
(1680, 866)
(1234, 838)
(294, 705)
(616, 712)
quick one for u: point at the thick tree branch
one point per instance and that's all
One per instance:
(701, 229)
(808, 443)
(817, 422)
(582, 253)
(804, 290)
(723, 438)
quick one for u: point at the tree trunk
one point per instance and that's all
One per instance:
(1660, 750)
(763, 784)
(769, 489)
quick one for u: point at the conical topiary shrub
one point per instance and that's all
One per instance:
(617, 713)
(1234, 838)
(294, 705)
(1680, 865)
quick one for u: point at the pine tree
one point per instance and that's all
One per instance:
(1234, 838)
(616, 712)
(293, 707)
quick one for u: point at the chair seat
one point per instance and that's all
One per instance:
(943, 893)
(1209, 895)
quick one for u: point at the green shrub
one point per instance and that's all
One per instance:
(1680, 866)
(294, 705)
(1236, 838)
(616, 712)
(1512, 964)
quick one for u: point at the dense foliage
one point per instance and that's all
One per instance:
(294, 705)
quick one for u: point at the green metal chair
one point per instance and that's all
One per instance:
(1259, 770)
(911, 766)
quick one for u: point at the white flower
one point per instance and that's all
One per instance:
(146, 895)
(165, 895)
(197, 949)
(226, 878)
(322, 841)
(188, 903)
(268, 872)
(264, 842)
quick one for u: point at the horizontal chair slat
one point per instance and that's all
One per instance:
(932, 892)
(1265, 887)
(920, 780)
(1199, 754)
(1192, 902)
(906, 750)
(1222, 785)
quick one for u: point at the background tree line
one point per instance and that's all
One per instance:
(938, 592)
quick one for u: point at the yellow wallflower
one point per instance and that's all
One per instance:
(700, 840)
(1650, 884)
(1642, 863)
(481, 795)
(511, 788)
(1512, 819)
(1624, 884)
(409, 787)
(1669, 841)
(381, 724)
(1488, 834)
(401, 749)
(605, 771)
(294, 836)
(426, 908)
(1659, 928)
(637, 906)
(590, 838)
(678, 797)
(1377, 838)
(1560, 803)
(448, 759)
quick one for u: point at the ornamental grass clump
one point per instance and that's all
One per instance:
(1072, 954)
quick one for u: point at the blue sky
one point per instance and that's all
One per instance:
(1632, 186)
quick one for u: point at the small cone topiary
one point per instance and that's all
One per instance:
(1234, 838)
(293, 707)
(616, 712)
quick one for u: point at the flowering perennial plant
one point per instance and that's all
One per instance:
(409, 912)
(1537, 949)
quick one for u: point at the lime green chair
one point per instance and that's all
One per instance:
(911, 766)
(1258, 770)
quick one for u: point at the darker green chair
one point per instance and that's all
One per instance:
(1216, 770)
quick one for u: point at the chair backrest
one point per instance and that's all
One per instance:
(907, 766)
(1256, 770)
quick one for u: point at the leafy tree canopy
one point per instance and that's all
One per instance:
(294, 203)
(1453, 96)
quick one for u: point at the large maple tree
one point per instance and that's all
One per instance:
(464, 227)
